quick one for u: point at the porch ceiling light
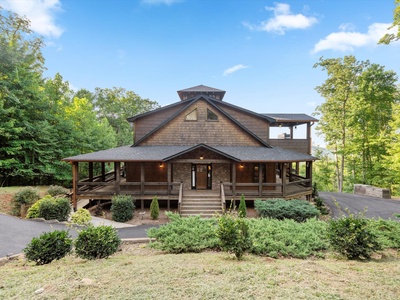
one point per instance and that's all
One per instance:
(161, 165)
(241, 166)
(201, 157)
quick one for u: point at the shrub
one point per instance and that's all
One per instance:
(81, 217)
(122, 208)
(352, 237)
(242, 211)
(387, 231)
(277, 238)
(27, 196)
(97, 242)
(319, 204)
(233, 234)
(315, 193)
(154, 208)
(56, 190)
(298, 210)
(33, 211)
(180, 235)
(54, 209)
(48, 247)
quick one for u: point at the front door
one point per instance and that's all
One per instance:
(201, 176)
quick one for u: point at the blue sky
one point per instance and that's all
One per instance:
(261, 52)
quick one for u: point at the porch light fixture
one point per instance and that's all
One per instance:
(201, 157)
(241, 166)
(161, 165)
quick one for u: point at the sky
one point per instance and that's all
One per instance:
(260, 52)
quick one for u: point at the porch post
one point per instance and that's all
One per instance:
(142, 179)
(260, 173)
(91, 174)
(309, 175)
(283, 179)
(169, 177)
(234, 179)
(103, 171)
(75, 178)
(297, 168)
(309, 138)
(117, 174)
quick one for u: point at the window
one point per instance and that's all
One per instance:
(211, 116)
(192, 116)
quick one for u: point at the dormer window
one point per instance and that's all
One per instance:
(192, 116)
(211, 116)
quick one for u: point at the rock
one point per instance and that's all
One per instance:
(87, 281)
(39, 291)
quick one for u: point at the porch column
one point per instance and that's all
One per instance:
(309, 138)
(283, 165)
(233, 179)
(117, 174)
(75, 178)
(297, 168)
(103, 171)
(260, 179)
(309, 176)
(142, 179)
(91, 174)
(169, 179)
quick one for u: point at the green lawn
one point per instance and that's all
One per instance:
(141, 273)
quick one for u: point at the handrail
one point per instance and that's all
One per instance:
(223, 202)
(180, 197)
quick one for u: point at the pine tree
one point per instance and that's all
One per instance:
(154, 208)
(242, 211)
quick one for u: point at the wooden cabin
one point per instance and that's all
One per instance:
(199, 153)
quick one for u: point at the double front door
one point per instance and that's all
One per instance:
(201, 176)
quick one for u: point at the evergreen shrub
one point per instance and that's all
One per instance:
(280, 209)
(387, 231)
(54, 209)
(27, 196)
(81, 217)
(48, 247)
(154, 208)
(56, 190)
(97, 242)
(180, 235)
(233, 234)
(352, 237)
(242, 210)
(122, 208)
(33, 211)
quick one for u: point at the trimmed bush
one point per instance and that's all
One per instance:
(48, 247)
(27, 196)
(233, 234)
(54, 209)
(180, 235)
(288, 238)
(352, 237)
(56, 190)
(280, 209)
(33, 211)
(154, 208)
(387, 231)
(81, 217)
(122, 208)
(97, 242)
(242, 211)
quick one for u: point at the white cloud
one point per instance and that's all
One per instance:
(348, 40)
(283, 20)
(234, 69)
(312, 103)
(40, 12)
(166, 2)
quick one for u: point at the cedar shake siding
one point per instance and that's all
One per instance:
(222, 132)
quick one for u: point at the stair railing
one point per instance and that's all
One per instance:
(223, 203)
(180, 197)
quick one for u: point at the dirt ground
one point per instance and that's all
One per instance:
(6, 203)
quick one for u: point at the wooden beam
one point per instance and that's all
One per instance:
(117, 174)
(169, 177)
(75, 178)
(234, 179)
(283, 179)
(103, 171)
(260, 177)
(142, 180)
(202, 161)
(91, 172)
(309, 138)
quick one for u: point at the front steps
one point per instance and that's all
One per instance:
(204, 203)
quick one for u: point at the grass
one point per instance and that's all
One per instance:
(7, 193)
(141, 273)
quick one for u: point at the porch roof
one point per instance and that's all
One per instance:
(165, 153)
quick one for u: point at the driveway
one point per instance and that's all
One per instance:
(374, 207)
(16, 233)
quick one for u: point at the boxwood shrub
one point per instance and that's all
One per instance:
(280, 209)
(97, 242)
(48, 247)
(54, 209)
(122, 208)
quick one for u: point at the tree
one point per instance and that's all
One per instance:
(116, 105)
(390, 37)
(355, 116)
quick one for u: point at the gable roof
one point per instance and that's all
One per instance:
(294, 119)
(166, 153)
(210, 101)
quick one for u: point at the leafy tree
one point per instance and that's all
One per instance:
(354, 117)
(116, 105)
(391, 37)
